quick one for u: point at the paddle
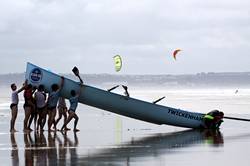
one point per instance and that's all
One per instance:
(233, 118)
(76, 72)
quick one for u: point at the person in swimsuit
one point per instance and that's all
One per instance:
(28, 106)
(52, 102)
(40, 98)
(73, 105)
(62, 111)
(14, 105)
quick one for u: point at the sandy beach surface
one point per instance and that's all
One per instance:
(109, 139)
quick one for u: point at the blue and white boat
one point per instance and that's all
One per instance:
(116, 103)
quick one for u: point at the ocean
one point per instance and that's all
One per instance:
(109, 139)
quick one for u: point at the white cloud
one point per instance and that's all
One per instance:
(63, 33)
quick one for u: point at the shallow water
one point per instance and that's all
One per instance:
(109, 139)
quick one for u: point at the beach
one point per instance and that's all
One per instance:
(179, 63)
(109, 139)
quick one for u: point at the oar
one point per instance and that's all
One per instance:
(113, 88)
(233, 118)
(126, 90)
(76, 72)
(156, 101)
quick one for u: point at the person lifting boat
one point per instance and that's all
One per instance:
(213, 119)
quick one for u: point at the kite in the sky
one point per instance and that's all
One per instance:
(175, 53)
(118, 62)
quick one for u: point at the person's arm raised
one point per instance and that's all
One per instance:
(23, 87)
(80, 90)
(62, 83)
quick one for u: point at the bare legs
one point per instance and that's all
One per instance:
(62, 112)
(33, 116)
(51, 120)
(26, 118)
(42, 118)
(13, 119)
(70, 117)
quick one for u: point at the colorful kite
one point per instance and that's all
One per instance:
(175, 53)
(118, 62)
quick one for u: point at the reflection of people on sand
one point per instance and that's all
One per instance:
(40, 148)
(72, 148)
(14, 150)
(28, 154)
(214, 137)
(159, 144)
(52, 149)
(62, 151)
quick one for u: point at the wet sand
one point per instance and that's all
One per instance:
(109, 139)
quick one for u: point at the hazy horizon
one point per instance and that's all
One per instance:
(133, 74)
(122, 73)
(200, 80)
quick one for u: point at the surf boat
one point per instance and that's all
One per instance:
(116, 103)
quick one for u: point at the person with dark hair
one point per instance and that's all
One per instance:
(62, 111)
(33, 115)
(40, 98)
(14, 105)
(52, 102)
(28, 106)
(73, 105)
(213, 119)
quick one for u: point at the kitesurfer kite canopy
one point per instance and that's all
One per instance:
(175, 53)
(118, 63)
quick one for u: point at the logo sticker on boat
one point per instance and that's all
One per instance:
(36, 75)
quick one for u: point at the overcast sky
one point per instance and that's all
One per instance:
(214, 35)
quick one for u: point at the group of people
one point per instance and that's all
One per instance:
(38, 105)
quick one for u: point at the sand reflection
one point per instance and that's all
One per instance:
(56, 148)
(155, 145)
(40, 149)
(14, 151)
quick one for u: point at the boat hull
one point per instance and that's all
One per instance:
(116, 103)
